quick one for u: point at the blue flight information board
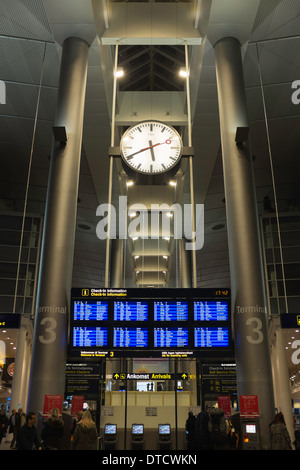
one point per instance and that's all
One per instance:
(87, 310)
(89, 336)
(209, 337)
(168, 310)
(171, 337)
(130, 311)
(150, 322)
(126, 337)
(210, 310)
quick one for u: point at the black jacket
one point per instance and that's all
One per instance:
(52, 432)
(27, 438)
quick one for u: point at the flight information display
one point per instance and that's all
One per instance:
(89, 336)
(170, 311)
(130, 311)
(210, 310)
(150, 322)
(171, 337)
(209, 337)
(84, 310)
(125, 337)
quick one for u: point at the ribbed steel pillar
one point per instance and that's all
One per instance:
(254, 375)
(47, 374)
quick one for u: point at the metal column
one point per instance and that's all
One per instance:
(117, 263)
(55, 276)
(185, 265)
(254, 375)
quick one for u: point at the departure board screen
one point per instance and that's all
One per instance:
(171, 337)
(150, 322)
(87, 310)
(168, 310)
(130, 311)
(209, 337)
(210, 310)
(89, 336)
(124, 337)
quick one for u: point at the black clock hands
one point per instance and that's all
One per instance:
(152, 151)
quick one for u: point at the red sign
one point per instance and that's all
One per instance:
(249, 405)
(225, 404)
(77, 404)
(52, 401)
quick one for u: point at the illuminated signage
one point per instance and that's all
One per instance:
(149, 322)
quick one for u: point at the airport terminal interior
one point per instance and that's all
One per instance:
(150, 218)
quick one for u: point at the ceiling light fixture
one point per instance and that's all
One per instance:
(183, 73)
(119, 72)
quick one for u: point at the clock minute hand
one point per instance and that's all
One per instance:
(151, 150)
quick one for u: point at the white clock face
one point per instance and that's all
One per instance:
(151, 147)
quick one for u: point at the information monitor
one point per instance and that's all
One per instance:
(110, 429)
(137, 429)
(149, 322)
(169, 310)
(125, 337)
(164, 429)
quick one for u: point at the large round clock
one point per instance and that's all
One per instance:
(151, 147)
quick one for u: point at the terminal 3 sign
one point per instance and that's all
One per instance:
(149, 322)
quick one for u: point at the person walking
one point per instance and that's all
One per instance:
(85, 434)
(279, 435)
(191, 431)
(53, 431)
(3, 422)
(28, 438)
(14, 426)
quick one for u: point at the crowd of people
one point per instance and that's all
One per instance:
(204, 431)
(203, 434)
(24, 436)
